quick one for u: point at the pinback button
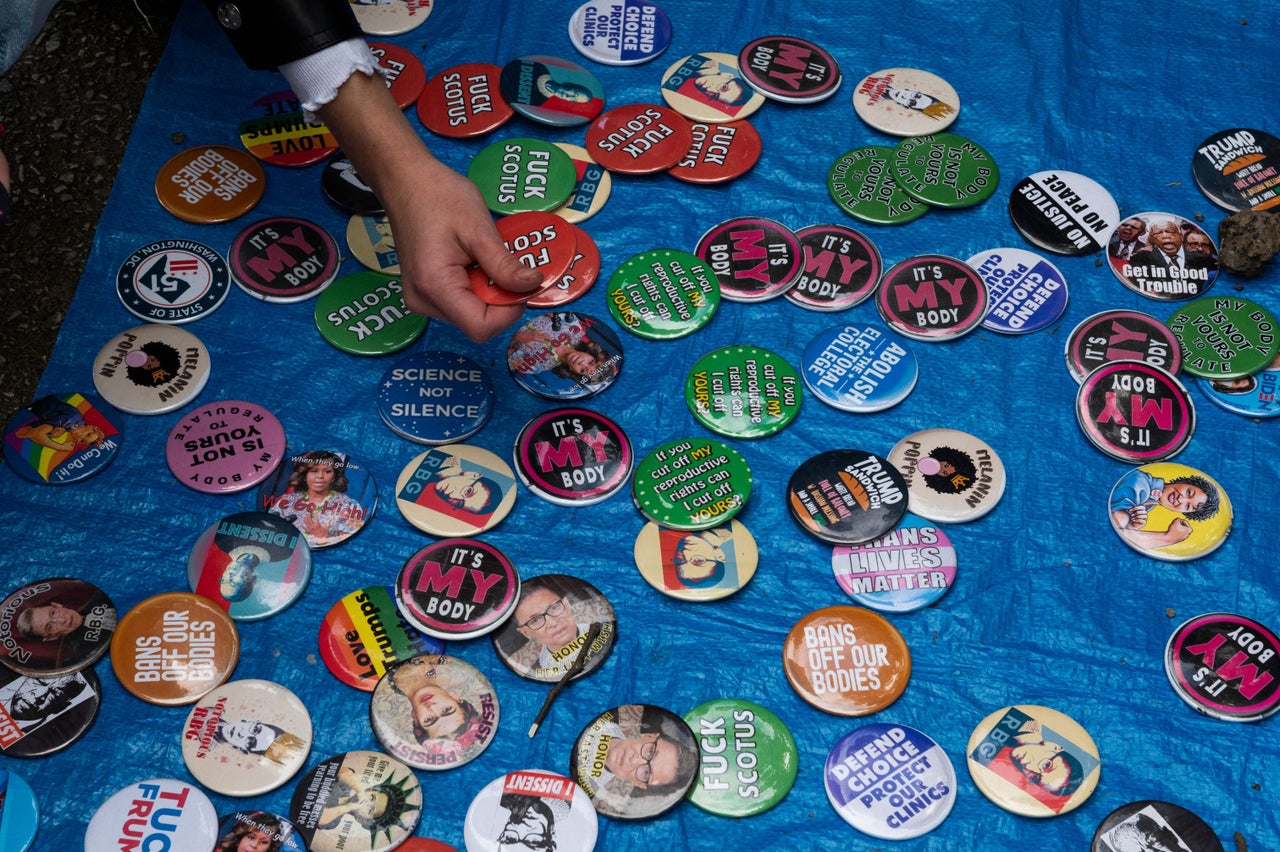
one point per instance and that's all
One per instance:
(859, 368)
(1236, 169)
(274, 129)
(861, 184)
(185, 636)
(323, 493)
(789, 69)
(1033, 761)
(47, 714)
(252, 564)
(356, 776)
(237, 445)
(536, 350)
(841, 268)
(1225, 337)
(151, 369)
(347, 190)
(1250, 396)
(846, 496)
(762, 759)
(261, 827)
(697, 566)
(363, 634)
(477, 604)
(904, 570)
(21, 815)
(932, 297)
(624, 730)
(829, 654)
(952, 476)
(663, 294)
(284, 259)
(1170, 511)
(629, 32)
(503, 810)
(551, 90)
(246, 738)
(906, 102)
(1116, 408)
(863, 776)
(434, 682)
(1151, 824)
(1063, 212)
(364, 314)
(542, 241)
(735, 250)
(403, 72)
(1119, 335)
(720, 153)
(1226, 666)
(550, 625)
(743, 392)
(709, 87)
(210, 183)
(173, 281)
(1165, 268)
(591, 189)
(456, 490)
(573, 456)
(691, 484)
(371, 242)
(424, 844)
(969, 178)
(464, 101)
(583, 272)
(639, 139)
(435, 397)
(521, 175)
(1025, 292)
(61, 439)
(390, 19)
(189, 819)
(76, 615)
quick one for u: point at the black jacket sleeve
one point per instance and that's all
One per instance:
(269, 33)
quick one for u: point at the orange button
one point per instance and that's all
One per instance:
(174, 648)
(846, 660)
(210, 183)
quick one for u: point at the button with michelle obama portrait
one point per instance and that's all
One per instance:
(247, 737)
(434, 712)
(174, 648)
(456, 490)
(254, 829)
(252, 564)
(697, 566)
(1033, 761)
(363, 634)
(532, 810)
(45, 714)
(635, 761)
(1170, 511)
(906, 102)
(435, 397)
(61, 439)
(846, 496)
(357, 801)
(55, 626)
(548, 630)
(846, 660)
(1153, 825)
(564, 355)
(750, 757)
(323, 493)
(952, 476)
(1226, 666)
(151, 369)
(457, 589)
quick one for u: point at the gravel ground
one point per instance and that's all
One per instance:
(68, 106)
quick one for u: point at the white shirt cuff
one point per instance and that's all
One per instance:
(315, 79)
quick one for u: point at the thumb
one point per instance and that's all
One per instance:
(505, 269)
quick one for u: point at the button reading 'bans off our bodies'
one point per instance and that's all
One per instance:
(846, 660)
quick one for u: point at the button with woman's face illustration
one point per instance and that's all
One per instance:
(434, 712)
(1153, 825)
(151, 369)
(906, 102)
(564, 355)
(61, 439)
(458, 490)
(435, 397)
(952, 476)
(457, 589)
(391, 19)
(252, 564)
(531, 809)
(357, 801)
(1170, 511)
(1033, 761)
(709, 87)
(705, 565)
(551, 90)
(635, 761)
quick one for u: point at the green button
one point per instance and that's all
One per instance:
(691, 484)
(945, 170)
(365, 314)
(862, 185)
(743, 392)
(1224, 337)
(663, 294)
(523, 175)
(749, 758)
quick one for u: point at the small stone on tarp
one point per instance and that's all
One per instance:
(1247, 239)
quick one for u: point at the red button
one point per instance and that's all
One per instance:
(639, 139)
(542, 241)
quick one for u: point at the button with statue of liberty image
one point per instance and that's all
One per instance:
(1170, 511)
(1226, 666)
(1150, 824)
(61, 439)
(457, 588)
(890, 781)
(457, 490)
(906, 102)
(531, 809)
(46, 713)
(691, 484)
(952, 476)
(749, 757)
(327, 495)
(663, 294)
(906, 569)
(945, 170)
(635, 761)
(551, 90)
(247, 737)
(55, 626)
(434, 712)
(151, 369)
(551, 627)
(357, 801)
(1033, 761)
(252, 564)
(363, 634)
(701, 565)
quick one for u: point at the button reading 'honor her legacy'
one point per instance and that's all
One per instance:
(846, 660)
(174, 648)
(550, 627)
(691, 484)
(635, 761)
